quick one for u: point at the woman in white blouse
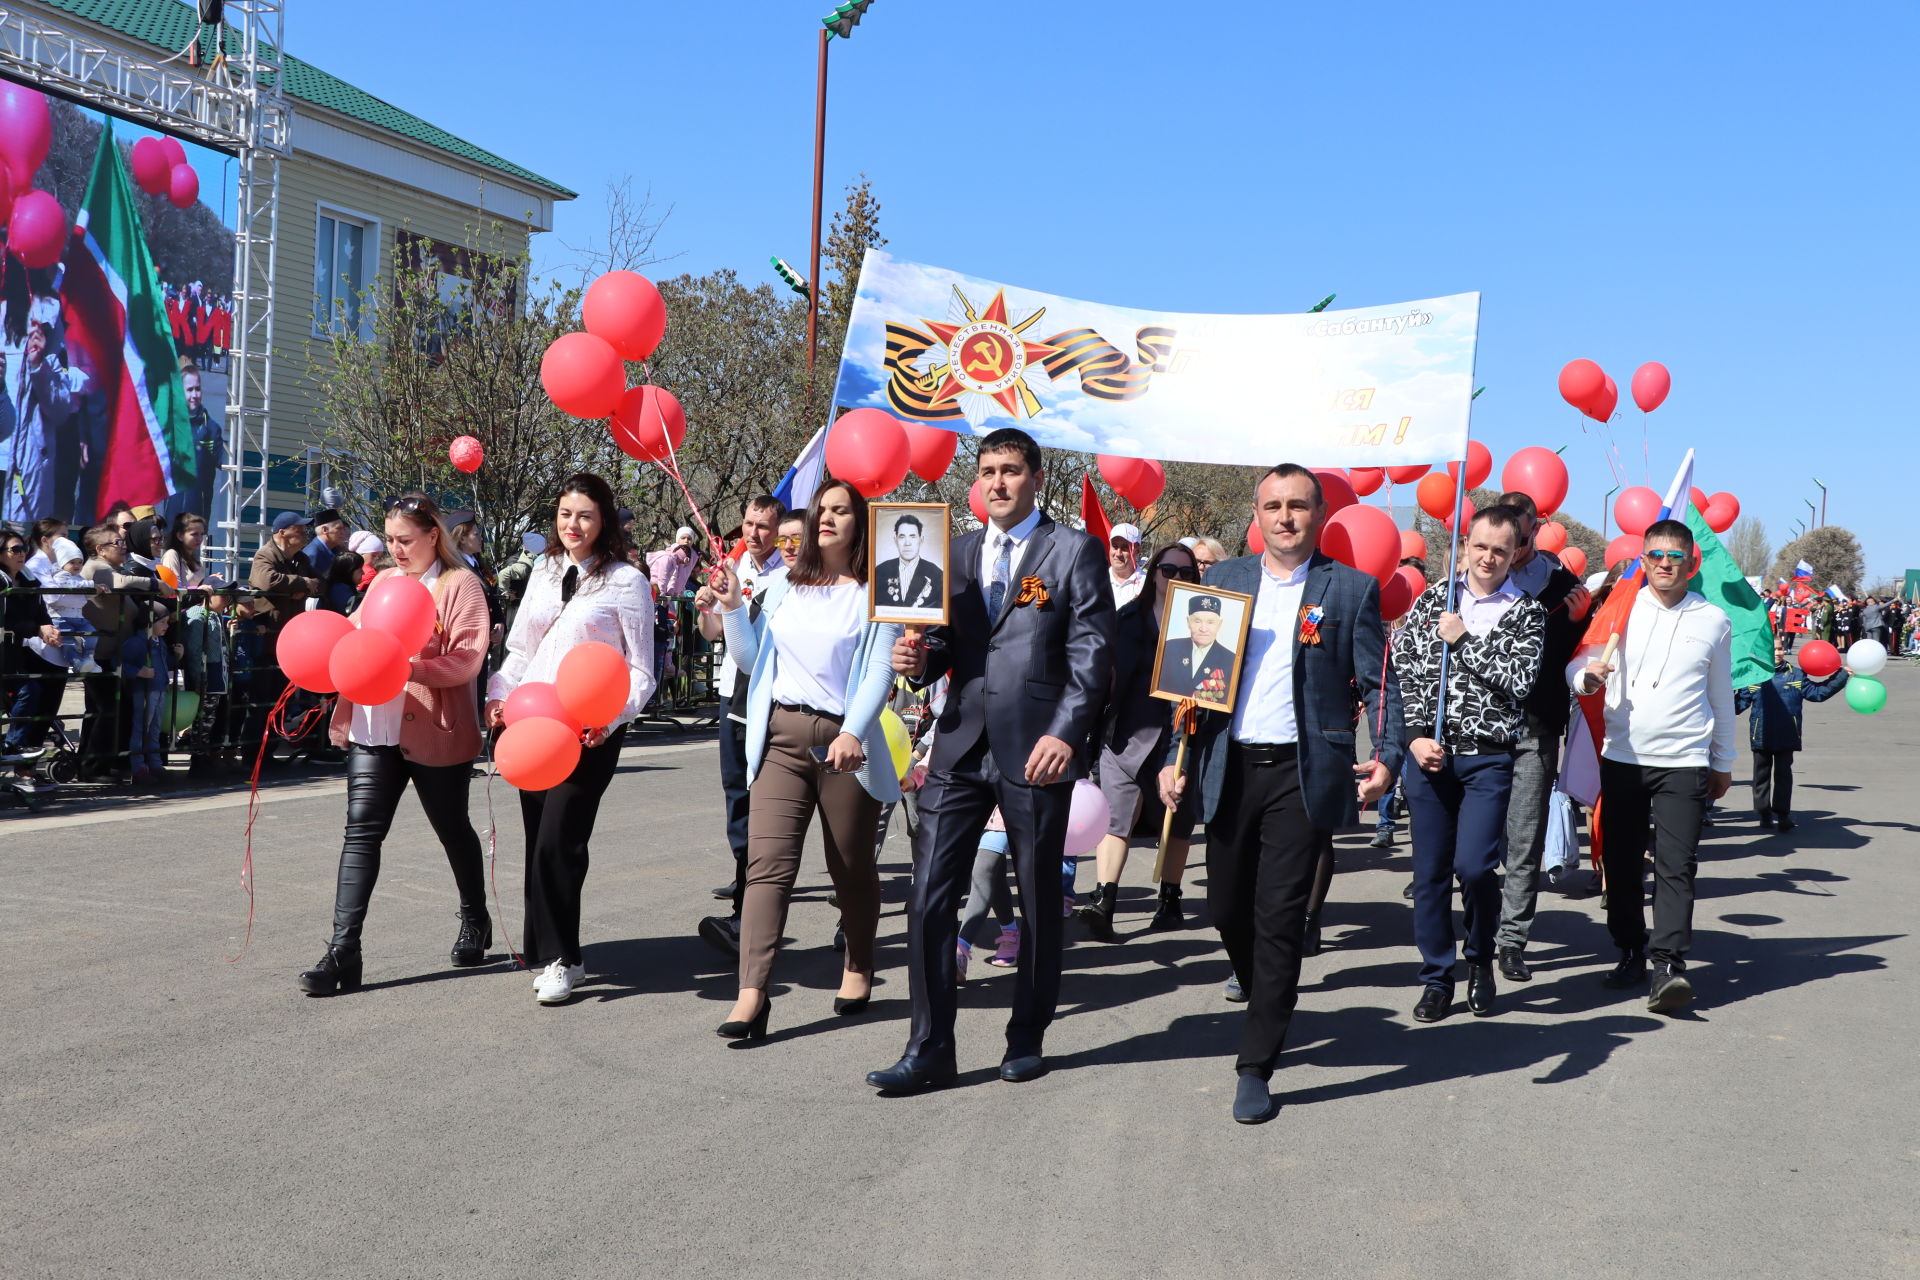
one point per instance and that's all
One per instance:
(183, 550)
(821, 676)
(583, 589)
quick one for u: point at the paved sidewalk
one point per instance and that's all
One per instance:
(167, 1113)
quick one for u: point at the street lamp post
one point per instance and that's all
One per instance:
(1823, 500)
(1606, 507)
(1812, 514)
(840, 22)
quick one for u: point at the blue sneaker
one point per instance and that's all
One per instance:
(1235, 992)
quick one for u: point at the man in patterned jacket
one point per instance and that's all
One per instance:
(1491, 634)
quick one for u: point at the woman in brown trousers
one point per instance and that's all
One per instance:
(821, 674)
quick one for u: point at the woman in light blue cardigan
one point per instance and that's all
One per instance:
(821, 675)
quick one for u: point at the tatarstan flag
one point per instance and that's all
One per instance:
(117, 324)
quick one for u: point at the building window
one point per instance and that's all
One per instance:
(343, 265)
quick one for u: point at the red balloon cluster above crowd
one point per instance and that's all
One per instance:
(1588, 388)
(160, 168)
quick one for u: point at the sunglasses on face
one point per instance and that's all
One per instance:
(1665, 557)
(1189, 573)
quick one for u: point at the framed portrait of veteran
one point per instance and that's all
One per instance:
(907, 545)
(1202, 640)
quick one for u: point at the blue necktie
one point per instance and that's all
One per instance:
(1002, 569)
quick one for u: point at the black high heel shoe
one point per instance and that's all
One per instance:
(338, 970)
(846, 1006)
(754, 1030)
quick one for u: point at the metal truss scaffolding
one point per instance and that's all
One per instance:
(237, 104)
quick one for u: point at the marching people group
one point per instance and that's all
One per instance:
(1041, 676)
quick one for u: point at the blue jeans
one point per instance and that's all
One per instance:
(1459, 819)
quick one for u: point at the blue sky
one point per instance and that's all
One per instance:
(1729, 189)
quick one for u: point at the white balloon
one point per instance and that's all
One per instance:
(1866, 657)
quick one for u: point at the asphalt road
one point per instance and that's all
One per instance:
(169, 1111)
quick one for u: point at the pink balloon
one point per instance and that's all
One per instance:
(183, 186)
(1635, 509)
(151, 171)
(868, 449)
(583, 376)
(649, 424)
(538, 698)
(306, 647)
(1651, 383)
(176, 154)
(1087, 819)
(466, 454)
(369, 667)
(37, 234)
(537, 754)
(1479, 464)
(1335, 491)
(624, 308)
(1581, 382)
(929, 449)
(401, 607)
(26, 131)
(1367, 480)
(1541, 474)
(1365, 538)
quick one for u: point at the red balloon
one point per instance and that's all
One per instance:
(1698, 497)
(537, 698)
(1416, 581)
(537, 754)
(1435, 495)
(868, 449)
(466, 454)
(1479, 464)
(583, 375)
(37, 234)
(6, 196)
(1148, 485)
(306, 645)
(151, 168)
(1256, 541)
(1396, 597)
(1624, 548)
(1635, 509)
(1541, 474)
(1603, 405)
(1365, 538)
(1121, 474)
(1551, 536)
(1412, 545)
(929, 449)
(183, 186)
(1651, 382)
(1575, 561)
(369, 667)
(1367, 480)
(1334, 490)
(1581, 382)
(1471, 509)
(976, 504)
(1407, 475)
(176, 154)
(26, 131)
(1722, 510)
(1817, 658)
(624, 308)
(649, 424)
(594, 683)
(401, 607)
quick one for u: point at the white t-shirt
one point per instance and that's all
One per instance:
(815, 632)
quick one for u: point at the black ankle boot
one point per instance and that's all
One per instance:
(1629, 973)
(1097, 915)
(476, 935)
(338, 970)
(1168, 914)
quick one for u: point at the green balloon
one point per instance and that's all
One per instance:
(1866, 694)
(182, 707)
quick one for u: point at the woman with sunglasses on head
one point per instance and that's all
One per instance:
(821, 675)
(583, 589)
(1133, 744)
(429, 735)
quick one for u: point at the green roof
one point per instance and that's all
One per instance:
(168, 25)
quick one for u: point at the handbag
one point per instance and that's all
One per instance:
(1561, 855)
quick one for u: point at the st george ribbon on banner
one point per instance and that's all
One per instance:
(1371, 387)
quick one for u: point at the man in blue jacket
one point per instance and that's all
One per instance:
(1775, 732)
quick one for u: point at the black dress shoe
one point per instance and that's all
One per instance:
(755, 1028)
(1253, 1101)
(847, 1006)
(1513, 965)
(1435, 1004)
(1407, 892)
(725, 892)
(911, 1075)
(1766, 821)
(1168, 915)
(1097, 915)
(1480, 989)
(1670, 989)
(476, 935)
(1018, 1069)
(1630, 972)
(1785, 823)
(338, 970)
(1310, 946)
(722, 933)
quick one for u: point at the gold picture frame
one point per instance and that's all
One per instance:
(1211, 677)
(909, 574)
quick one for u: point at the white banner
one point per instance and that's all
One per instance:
(1371, 387)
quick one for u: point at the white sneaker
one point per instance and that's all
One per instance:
(88, 668)
(556, 981)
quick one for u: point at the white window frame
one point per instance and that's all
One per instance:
(371, 242)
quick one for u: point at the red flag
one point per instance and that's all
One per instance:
(1092, 514)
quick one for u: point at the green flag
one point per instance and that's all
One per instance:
(1724, 586)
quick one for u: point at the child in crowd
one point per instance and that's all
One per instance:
(67, 593)
(204, 631)
(1775, 732)
(144, 664)
(989, 893)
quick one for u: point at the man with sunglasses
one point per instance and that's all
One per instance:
(1668, 754)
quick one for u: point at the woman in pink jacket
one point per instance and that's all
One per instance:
(428, 736)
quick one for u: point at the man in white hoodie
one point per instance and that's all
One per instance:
(1668, 754)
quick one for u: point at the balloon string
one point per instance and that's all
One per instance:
(672, 467)
(493, 845)
(274, 716)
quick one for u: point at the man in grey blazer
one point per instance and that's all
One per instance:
(1029, 656)
(1279, 775)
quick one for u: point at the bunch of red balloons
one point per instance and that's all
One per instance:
(368, 664)
(1588, 388)
(873, 451)
(1140, 481)
(36, 224)
(585, 374)
(540, 746)
(160, 168)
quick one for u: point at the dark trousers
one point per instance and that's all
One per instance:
(954, 807)
(1459, 817)
(1773, 784)
(1675, 800)
(268, 682)
(34, 687)
(558, 824)
(1261, 856)
(376, 779)
(107, 728)
(733, 786)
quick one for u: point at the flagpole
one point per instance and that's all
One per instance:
(1453, 544)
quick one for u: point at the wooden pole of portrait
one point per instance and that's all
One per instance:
(1186, 718)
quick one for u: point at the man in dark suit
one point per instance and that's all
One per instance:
(909, 581)
(1029, 659)
(1198, 666)
(1279, 775)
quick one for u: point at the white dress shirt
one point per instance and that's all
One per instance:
(1266, 711)
(1483, 613)
(1125, 589)
(614, 607)
(380, 726)
(754, 580)
(1022, 535)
